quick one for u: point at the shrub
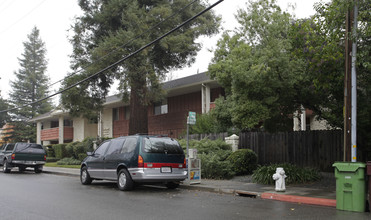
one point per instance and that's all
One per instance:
(60, 151)
(69, 161)
(294, 174)
(50, 151)
(213, 155)
(205, 145)
(51, 159)
(244, 161)
(81, 156)
(212, 167)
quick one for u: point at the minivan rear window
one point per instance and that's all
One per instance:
(162, 146)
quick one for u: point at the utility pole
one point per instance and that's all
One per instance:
(354, 85)
(347, 87)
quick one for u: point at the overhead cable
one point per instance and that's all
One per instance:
(121, 60)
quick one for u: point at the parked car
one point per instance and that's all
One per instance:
(22, 155)
(136, 159)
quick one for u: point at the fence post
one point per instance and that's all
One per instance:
(233, 140)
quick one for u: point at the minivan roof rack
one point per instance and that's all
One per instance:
(158, 135)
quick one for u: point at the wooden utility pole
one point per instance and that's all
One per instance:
(347, 87)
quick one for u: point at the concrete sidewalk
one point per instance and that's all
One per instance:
(321, 193)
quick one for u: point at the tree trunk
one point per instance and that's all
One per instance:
(138, 122)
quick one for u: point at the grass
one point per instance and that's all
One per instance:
(64, 166)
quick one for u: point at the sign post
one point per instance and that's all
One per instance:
(191, 120)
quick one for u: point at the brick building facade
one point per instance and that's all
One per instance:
(193, 93)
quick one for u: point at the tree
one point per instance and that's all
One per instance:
(102, 37)
(4, 117)
(31, 83)
(330, 18)
(255, 66)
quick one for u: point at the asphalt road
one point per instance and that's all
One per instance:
(44, 196)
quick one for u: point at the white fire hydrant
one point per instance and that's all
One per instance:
(279, 177)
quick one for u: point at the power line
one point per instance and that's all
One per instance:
(121, 60)
(24, 16)
(122, 46)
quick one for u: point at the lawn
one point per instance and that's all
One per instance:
(65, 166)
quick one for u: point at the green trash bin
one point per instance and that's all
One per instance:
(350, 186)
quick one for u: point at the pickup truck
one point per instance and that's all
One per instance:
(22, 155)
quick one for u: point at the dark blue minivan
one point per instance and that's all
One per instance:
(136, 159)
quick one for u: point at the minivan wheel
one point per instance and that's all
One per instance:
(172, 185)
(124, 181)
(6, 168)
(85, 177)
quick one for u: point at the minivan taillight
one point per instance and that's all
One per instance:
(44, 157)
(185, 163)
(140, 161)
(13, 156)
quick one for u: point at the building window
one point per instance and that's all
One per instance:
(115, 114)
(54, 124)
(127, 112)
(160, 108)
(68, 123)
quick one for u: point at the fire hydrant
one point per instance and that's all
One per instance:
(279, 177)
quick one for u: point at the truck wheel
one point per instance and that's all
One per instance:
(85, 177)
(38, 169)
(124, 181)
(6, 168)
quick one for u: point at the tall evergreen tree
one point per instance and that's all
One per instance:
(31, 83)
(106, 26)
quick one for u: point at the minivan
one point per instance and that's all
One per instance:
(134, 160)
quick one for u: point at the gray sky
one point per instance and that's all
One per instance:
(54, 18)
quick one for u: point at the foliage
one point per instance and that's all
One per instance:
(4, 116)
(295, 174)
(54, 164)
(102, 37)
(213, 167)
(51, 159)
(244, 161)
(49, 150)
(30, 84)
(20, 131)
(69, 161)
(256, 68)
(213, 155)
(60, 151)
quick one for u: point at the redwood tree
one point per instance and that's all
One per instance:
(111, 29)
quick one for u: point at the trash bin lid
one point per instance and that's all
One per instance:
(348, 166)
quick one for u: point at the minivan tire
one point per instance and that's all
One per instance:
(85, 177)
(124, 181)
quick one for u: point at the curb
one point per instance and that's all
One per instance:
(60, 173)
(299, 199)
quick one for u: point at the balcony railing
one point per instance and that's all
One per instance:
(53, 134)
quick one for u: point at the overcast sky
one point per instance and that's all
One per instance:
(54, 18)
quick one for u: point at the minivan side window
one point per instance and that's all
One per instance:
(102, 148)
(116, 145)
(129, 145)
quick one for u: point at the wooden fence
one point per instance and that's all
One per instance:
(318, 149)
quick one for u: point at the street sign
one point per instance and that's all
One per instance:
(191, 120)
